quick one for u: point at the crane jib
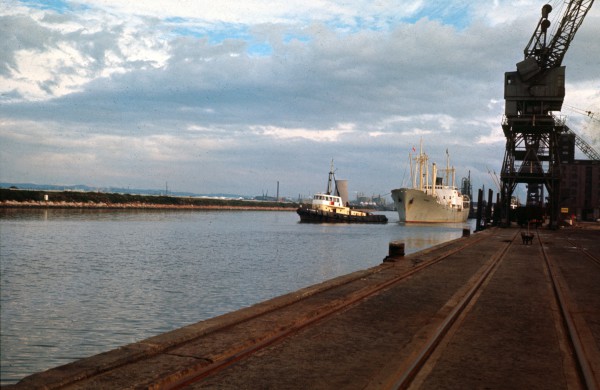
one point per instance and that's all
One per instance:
(550, 53)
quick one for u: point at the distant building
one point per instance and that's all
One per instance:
(369, 201)
(580, 189)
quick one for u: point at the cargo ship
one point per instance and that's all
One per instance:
(332, 206)
(431, 199)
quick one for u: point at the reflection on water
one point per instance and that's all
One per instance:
(79, 282)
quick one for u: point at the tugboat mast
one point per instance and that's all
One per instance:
(330, 180)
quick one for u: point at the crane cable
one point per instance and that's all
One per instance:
(590, 114)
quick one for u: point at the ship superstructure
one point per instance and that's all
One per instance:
(431, 199)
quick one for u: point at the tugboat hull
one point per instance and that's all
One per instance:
(321, 216)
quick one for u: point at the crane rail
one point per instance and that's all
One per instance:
(414, 367)
(576, 326)
(216, 367)
(413, 371)
(594, 259)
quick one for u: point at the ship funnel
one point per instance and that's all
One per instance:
(341, 188)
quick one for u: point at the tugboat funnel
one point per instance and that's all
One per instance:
(341, 188)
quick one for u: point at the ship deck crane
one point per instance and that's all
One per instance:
(532, 93)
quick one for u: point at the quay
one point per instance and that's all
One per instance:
(489, 310)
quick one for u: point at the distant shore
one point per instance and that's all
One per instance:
(82, 205)
(15, 198)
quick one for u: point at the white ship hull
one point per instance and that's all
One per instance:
(414, 205)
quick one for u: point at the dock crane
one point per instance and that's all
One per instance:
(532, 92)
(580, 142)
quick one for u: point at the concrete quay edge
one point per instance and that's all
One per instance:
(64, 375)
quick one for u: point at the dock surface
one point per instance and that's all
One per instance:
(485, 311)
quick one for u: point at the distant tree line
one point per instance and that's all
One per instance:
(16, 195)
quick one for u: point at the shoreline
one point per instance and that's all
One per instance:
(29, 199)
(9, 204)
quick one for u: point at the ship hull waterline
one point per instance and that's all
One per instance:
(321, 216)
(416, 206)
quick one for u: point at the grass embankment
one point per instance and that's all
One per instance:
(68, 199)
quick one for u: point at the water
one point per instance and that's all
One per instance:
(75, 283)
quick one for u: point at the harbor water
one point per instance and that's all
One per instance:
(75, 283)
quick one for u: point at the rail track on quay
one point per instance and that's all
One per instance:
(579, 334)
(575, 330)
(482, 311)
(583, 250)
(361, 295)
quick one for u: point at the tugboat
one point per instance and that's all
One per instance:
(329, 207)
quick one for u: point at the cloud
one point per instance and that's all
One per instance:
(46, 55)
(261, 11)
(230, 94)
(328, 135)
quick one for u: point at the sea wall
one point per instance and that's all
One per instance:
(14, 198)
(101, 205)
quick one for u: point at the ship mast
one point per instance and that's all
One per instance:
(453, 177)
(421, 165)
(447, 167)
(422, 160)
(433, 178)
(330, 180)
(413, 177)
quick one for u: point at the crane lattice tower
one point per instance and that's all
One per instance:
(532, 93)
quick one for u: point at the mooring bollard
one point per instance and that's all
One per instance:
(466, 232)
(396, 251)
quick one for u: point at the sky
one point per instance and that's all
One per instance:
(234, 96)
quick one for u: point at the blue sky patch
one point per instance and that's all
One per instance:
(453, 16)
(189, 32)
(216, 34)
(54, 5)
(287, 38)
(260, 49)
